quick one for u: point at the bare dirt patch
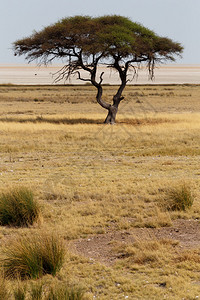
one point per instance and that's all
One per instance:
(100, 247)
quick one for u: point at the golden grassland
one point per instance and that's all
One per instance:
(92, 179)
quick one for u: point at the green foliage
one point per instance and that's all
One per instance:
(104, 36)
(32, 257)
(179, 198)
(18, 208)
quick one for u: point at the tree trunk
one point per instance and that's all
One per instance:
(112, 109)
(112, 112)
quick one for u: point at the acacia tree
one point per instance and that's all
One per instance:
(84, 43)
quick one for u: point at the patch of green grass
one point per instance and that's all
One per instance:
(18, 208)
(33, 257)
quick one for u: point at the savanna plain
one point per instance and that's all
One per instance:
(107, 191)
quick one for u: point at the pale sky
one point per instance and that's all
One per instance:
(176, 19)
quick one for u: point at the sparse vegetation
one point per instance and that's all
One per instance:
(18, 207)
(90, 192)
(146, 252)
(32, 257)
(161, 258)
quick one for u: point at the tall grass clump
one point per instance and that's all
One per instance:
(179, 198)
(33, 257)
(18, 208)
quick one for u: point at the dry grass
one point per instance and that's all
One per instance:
(179, 198)
(4, 292)
(151, 252)
(162, 268)
(18, 208)
(40, 290)
(33, 257)
(92, 178)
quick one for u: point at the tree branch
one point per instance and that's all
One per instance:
(80, 78)
(101, 78)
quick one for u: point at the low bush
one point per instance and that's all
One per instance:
(18, 208)
(179, 198)
(33, 257)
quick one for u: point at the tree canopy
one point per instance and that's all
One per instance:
(84, 42)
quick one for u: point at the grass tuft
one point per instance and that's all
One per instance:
(179, 198)
(52, 252)
(33, 257)
(18, 208)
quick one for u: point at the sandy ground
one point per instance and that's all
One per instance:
(100, 246)
(31, 74)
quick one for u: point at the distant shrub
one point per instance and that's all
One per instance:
(179, 198)
(32, 257)
(18, 207)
